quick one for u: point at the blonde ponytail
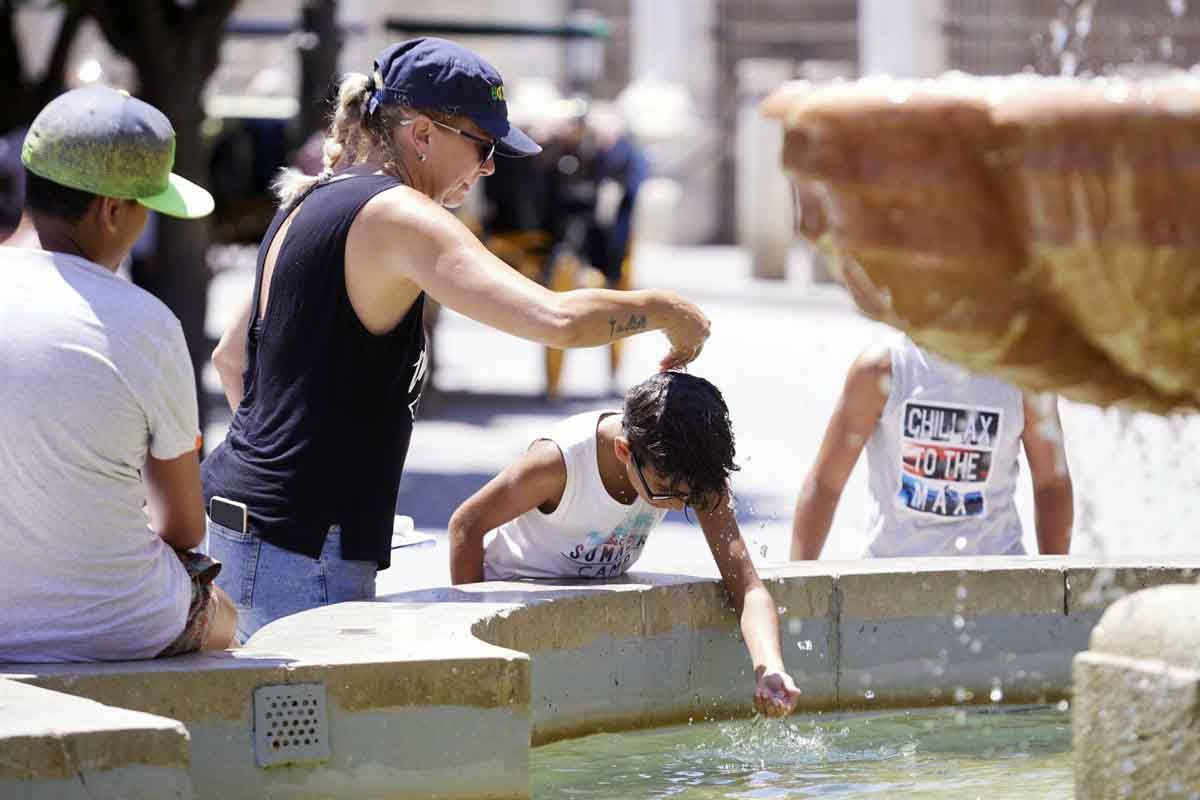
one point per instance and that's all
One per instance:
(346, 142)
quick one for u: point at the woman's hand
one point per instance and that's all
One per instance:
(687, 334)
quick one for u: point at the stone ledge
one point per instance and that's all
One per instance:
(1135, 728)
(55, 745)
(540, 661)
(1160, 624)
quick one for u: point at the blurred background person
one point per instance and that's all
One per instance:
(942, 447)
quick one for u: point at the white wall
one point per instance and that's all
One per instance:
(901, 38)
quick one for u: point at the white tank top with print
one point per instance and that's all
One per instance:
(943, 460)
(588, 535)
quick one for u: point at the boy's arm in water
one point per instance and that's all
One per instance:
(776, 694)
(854, 419)
(1053, 491)
(535, 480)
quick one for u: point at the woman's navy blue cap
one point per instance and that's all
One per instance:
(431, 74)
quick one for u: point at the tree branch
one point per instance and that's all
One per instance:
(210, 16)
(19, 109)
(137, 29)
(51, 82)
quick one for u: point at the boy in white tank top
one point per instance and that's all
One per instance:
(581, 502)
(942, 450)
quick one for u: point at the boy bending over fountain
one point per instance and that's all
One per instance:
(581, 502)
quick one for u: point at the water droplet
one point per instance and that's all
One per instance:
(960, 543)
(961, 593)
(1178, 7)
(962, 694)
(1069, 64)
(996, 695)
(976, 646)
(959, 622)
(1062, 705)
(869, 694)
(1060, 34)
(794, 626)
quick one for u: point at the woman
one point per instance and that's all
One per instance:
(324, 367)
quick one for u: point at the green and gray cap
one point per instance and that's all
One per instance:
(103, 141)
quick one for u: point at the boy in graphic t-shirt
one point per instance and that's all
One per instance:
(942, 450)
(581, 502)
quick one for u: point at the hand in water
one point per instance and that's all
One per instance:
(775, 695)
(687, 335)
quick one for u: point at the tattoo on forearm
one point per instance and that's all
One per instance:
(636, 322)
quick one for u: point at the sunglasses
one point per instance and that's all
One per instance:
(486, 147)
(637, 467)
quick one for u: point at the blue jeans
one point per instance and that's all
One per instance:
(267, 582)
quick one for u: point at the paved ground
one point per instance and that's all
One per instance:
(779, 352)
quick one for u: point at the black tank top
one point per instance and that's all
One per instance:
(323, 428)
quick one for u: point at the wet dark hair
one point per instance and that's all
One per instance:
(679, 425)
(54, 200)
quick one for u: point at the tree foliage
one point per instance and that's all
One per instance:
(175, 48)
(25, 93)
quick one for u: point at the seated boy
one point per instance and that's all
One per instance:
(98, 404)
(581, 503)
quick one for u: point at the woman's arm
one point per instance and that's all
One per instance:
(537, 478)
(229, 357)
(402, 242)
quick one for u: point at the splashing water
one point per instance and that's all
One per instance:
(936, 753)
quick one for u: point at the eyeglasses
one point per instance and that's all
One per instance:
(637, 467)
(487, 147)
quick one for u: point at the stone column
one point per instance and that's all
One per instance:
(673, 56)
(765, 216)
(1136, 716)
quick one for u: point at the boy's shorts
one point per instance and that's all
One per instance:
(202, 610)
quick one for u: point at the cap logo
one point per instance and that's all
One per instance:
(498, 93)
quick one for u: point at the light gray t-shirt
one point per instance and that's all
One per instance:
(588, 535)
(943, 460)
(94, 374)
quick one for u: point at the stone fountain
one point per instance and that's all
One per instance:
(1046, 230)
(1041, 229)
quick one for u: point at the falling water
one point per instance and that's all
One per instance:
(1166, 44)
(1069, 31)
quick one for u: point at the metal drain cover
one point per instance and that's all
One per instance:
(290, 724)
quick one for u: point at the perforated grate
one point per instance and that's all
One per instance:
(290, 724)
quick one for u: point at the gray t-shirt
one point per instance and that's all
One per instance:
(94, 374)
(943, 460)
